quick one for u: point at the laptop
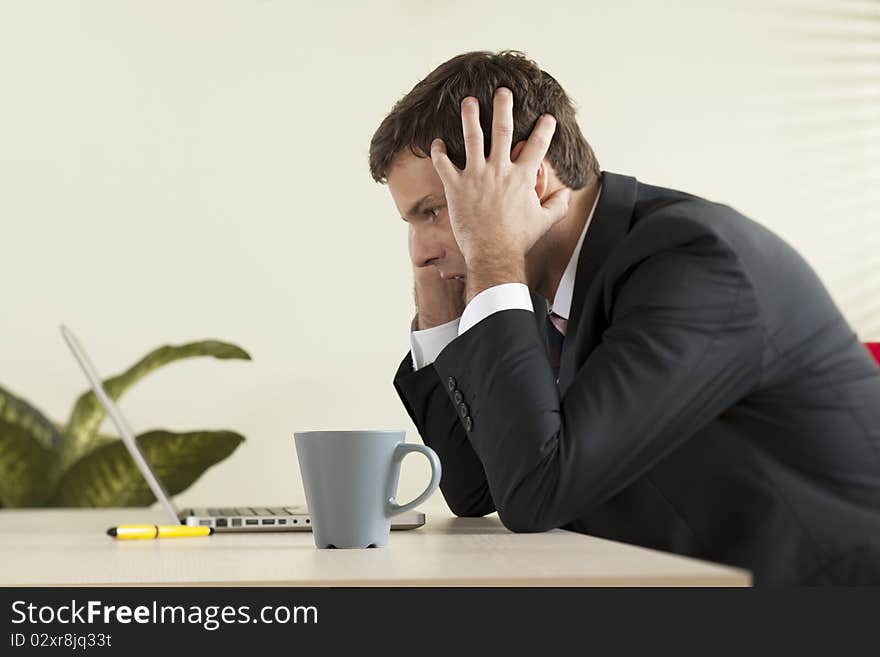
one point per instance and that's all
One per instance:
(226, 519)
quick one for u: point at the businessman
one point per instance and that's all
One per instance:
(614, 358)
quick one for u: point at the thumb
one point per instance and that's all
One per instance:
(556, 205)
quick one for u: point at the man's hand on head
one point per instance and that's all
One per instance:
(495, 212)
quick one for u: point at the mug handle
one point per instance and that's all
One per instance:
(392, 508)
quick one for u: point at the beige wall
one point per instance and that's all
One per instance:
(177, 170)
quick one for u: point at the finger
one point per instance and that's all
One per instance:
(502, 125)
(442, 164)
(538, 143)
(556, 205)
(473, 133)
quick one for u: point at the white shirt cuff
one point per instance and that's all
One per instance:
(507, 296)
(427, 344)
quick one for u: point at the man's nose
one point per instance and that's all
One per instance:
(424, 250)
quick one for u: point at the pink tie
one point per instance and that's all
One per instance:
(555, 338)
(559, 322)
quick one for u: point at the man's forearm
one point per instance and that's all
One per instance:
(463, 482)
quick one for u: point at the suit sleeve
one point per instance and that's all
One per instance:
(463, 481)
(682, 344)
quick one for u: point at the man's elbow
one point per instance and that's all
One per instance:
(524, 519)
(469, 511)
(470, 507)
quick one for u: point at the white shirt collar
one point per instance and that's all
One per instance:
(562, 301)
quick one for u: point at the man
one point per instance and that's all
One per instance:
(692, 388)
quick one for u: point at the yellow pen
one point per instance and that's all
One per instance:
(131, 532)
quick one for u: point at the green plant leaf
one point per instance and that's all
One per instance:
(29, 444)
(108, 476)
(18, 412)
(26, 466)
(87, 414)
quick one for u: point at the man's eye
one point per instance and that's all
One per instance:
(433, 212)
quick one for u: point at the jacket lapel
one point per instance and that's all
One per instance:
(610, 224)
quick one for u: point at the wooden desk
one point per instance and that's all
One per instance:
(70, 548)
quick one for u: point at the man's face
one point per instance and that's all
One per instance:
(418, 194)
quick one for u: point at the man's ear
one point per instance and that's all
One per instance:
(541, 179)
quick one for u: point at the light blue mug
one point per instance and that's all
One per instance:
(350, 480)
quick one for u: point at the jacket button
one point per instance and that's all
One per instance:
(468, 423)
(458, 397)
(463, 409)
(450, 383)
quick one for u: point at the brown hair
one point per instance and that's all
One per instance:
(433, 109)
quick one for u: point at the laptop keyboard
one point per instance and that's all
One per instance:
(255, 511)
(230, 512)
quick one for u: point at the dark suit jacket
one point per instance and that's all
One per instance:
(712, 401)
